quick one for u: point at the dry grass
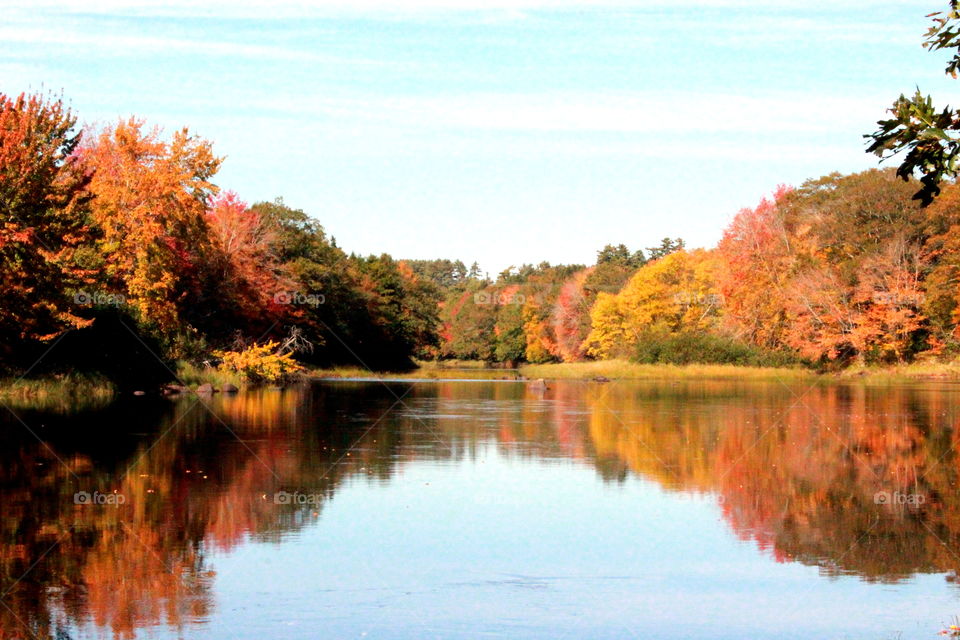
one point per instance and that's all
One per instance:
(427, 371)
(57, 393)
(625, 370)
(454, 364)
(192, 375)
(927, 370)
(613, 369)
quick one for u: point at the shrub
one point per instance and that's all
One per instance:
(260, 363)
(705, 348)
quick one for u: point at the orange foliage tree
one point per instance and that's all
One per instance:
(756, 260)
(833, 270)
(43, 217)
(570, 319)
(150, 204)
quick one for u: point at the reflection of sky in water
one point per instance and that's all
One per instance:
(521, 548)
(488, 510)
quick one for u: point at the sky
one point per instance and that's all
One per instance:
(497, 131)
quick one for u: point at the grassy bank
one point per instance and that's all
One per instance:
(425, 371)
(625, 370)
(903, 373)
(192, 375)
(54, 393)
(69, 392)
(613, 369)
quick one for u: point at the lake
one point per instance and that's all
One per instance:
(486, 509)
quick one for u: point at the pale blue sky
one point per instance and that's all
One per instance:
(503, 131)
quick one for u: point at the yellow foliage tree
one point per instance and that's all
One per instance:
(675, 293)
(260, 363)
(536, 333)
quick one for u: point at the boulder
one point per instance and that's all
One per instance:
(230, 388)
(601, 379)
(206, 389)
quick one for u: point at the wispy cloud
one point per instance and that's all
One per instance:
(678, 114)
(81, 38)
(271, 8)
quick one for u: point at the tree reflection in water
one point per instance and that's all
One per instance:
(799, 471)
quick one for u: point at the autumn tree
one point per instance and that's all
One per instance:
(570, 317)
(244, 283)
(365, 311)
(403, 308)
(511, 338)
(675, 293)
(468, 321)
(43, 218)
(541, 293)
(859, 244)
(151, 197)
(941, 286)
(756, 260)
(833, 270)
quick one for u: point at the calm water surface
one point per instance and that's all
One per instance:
(458, 509)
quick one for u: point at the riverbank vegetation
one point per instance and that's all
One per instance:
(846, 270)
(66, 393)
(121, 257)
(627, 370)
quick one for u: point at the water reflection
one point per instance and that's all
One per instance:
(850, 479)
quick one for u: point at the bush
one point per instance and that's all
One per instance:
(705, 348)
(260, 363)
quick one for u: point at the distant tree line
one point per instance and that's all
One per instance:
(118, 250)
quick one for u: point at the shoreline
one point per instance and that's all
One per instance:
(625, 370)
(92, 389)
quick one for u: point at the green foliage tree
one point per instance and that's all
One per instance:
(667, 246)
(448, 275)
(928, 135)
(621, 256)
(511, 342)
(469, 319)
(371, 311)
